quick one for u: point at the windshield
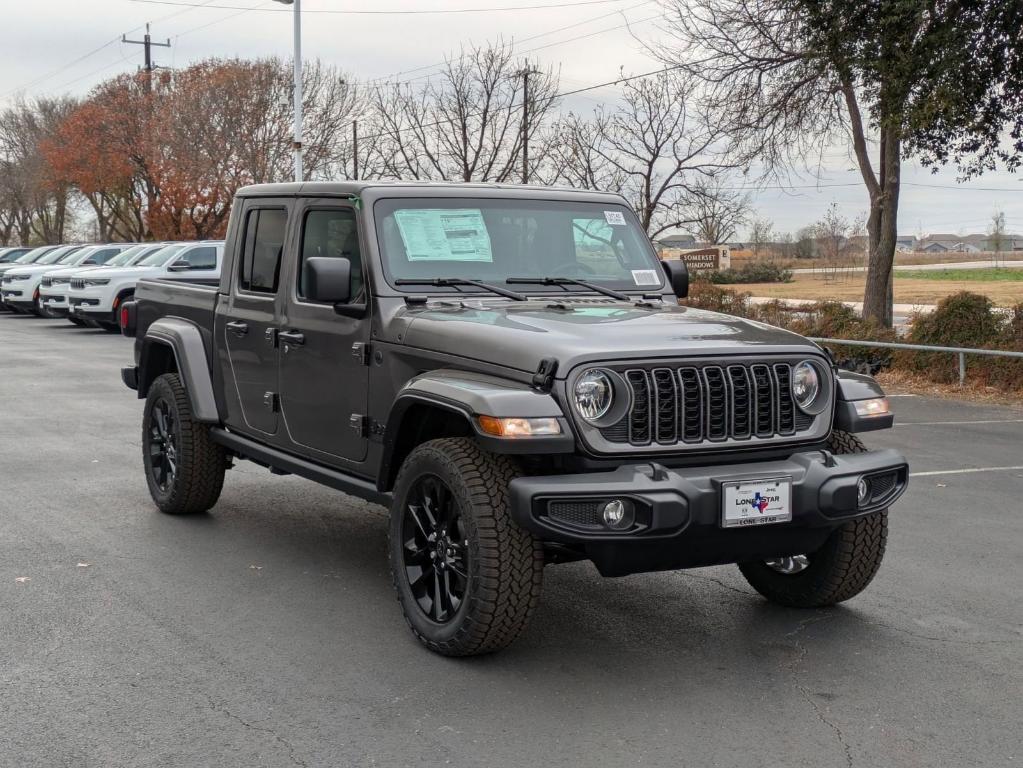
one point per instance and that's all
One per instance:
(492, 240)
(12, 255)
(125, 256)
(34, 254)
(56, 256)
(161, 257)
(147, 250)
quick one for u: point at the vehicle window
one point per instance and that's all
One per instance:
(103, 255)
(126, 256)
(34, 255)
(14, 254)
(57, 256)
(331, 234)
(492, 239)
(204, 257)
(160, 257)
(264, 244)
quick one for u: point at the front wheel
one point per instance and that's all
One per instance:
(839, 570)
(184, 467)
(467, 577)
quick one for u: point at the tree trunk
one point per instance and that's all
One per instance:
(882, 229)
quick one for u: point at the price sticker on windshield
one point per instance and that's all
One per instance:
(615, 218)
(645, 277)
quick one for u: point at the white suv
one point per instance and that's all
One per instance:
(20, 286)
(52, 301)
(96, 295)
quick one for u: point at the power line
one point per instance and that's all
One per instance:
(516, 42)
(392, 12)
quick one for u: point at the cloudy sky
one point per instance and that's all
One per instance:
(66, 46)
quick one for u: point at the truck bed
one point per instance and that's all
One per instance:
(194, 301)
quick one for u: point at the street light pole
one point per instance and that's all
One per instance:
(297, 140)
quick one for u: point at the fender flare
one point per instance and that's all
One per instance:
(467, 395)
(851, 387)
(186, 343)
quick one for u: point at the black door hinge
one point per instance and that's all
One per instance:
(361, 352)
(543, 379)
(365, 426)
(271, 401)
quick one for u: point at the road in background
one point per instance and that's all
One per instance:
(266, 633)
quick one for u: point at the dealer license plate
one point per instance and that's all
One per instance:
(756, 502)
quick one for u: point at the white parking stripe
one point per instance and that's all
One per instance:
(943, 423)
(964, 471)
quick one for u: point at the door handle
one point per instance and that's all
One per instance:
(238, 329)
(294, 338)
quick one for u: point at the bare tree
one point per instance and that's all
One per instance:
(465, 124)
(716, 212)
(656, 148)
(760, 233)
(996, 234)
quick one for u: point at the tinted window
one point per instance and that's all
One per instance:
(103, 255)
(14, 253)
(264, 244)
(160, 257)
(331, 234)
(204, 257)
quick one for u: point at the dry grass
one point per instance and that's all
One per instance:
(743, 257)
(849, 287)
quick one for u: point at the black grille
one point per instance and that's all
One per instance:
(77, 282)
(576, 513)
(47, 281)
(881, 486)
(708, 403)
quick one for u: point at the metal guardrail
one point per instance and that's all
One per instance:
(961, 351)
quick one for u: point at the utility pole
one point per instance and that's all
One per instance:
(355, 150)
(148, 43)
(525, 73)
(297, 90)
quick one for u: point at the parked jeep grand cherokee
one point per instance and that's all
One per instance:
(508, 369)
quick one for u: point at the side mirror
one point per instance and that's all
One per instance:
(181, 267)
(327, 280)
(678, 276)
(88, 262)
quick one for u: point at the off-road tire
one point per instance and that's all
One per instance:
(505, 561)
(840, 569)
(201, 463)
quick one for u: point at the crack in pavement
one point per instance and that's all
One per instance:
(721, 584)
(222, 709)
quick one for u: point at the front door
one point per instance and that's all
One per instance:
(323, 372)
(247, 322)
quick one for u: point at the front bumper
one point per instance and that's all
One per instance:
(678, 511)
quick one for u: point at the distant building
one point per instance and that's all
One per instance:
(678, 240)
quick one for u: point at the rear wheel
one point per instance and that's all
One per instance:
(467, 577)
(184, 467)
(839, 570)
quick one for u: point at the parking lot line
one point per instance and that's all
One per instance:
(971, 470)
(945, 423)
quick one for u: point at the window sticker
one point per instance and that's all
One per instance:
(645, 277)
(615, 218)
(442, 234)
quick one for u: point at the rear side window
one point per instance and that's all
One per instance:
(263, 246)
(103, 255)
(204, 257)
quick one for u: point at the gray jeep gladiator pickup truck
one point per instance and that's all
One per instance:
(508, 369)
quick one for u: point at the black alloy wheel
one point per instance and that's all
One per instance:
(435, 549)
(163, 445)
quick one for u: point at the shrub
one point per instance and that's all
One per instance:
(703, 295)
(753, 272)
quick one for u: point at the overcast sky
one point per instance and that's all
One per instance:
(51, 47)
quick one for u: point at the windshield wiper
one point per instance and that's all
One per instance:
(568, 281)
(453, 281)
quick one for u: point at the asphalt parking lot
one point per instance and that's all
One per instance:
(266, 633)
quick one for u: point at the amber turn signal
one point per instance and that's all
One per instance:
(518, 427)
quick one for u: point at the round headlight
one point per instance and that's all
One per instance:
(594, 394)
(806, 384)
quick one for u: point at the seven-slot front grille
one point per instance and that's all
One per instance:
(708, 403)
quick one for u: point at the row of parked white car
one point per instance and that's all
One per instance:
(88, 283)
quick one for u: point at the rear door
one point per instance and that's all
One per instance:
(324, 375)
(247, 317)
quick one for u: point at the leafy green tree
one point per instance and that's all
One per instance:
(938, 80)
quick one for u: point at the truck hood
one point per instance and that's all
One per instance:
(118, 273)
(31, 269)
(520, 334)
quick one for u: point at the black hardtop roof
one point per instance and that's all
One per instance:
(426, 189)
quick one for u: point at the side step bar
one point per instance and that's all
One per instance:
(280, 462)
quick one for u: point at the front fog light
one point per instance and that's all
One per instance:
(618, 514)
(862, 492)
